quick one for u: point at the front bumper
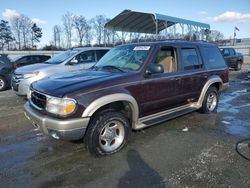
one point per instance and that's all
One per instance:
(73, 129)
(21, 88)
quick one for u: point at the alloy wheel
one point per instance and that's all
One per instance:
(112, 136)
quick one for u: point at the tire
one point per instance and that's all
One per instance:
(210, 101)
(3, 83)
(108, 132)
(238, 67)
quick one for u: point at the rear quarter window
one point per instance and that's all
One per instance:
(213, 58)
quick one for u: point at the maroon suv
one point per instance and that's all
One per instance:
(133, 86)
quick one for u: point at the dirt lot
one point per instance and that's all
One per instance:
(159, 156)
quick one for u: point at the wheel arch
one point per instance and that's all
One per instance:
(97, 104)
(214, 81)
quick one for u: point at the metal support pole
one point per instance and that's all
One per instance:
(156, 27)
(202, 33)
(166, 30)
(182, 28)
(104, 37)
(113, 37)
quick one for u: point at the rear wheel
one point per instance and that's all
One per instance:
(3, 83)
(107, 133)
(210, 101)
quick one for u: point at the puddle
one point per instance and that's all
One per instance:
(19, 149)
(227, 98)
(236, 126)
(232, 123)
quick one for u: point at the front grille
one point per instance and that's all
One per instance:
(38, 100)
(16, 78)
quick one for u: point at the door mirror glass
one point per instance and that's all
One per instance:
(154, 69)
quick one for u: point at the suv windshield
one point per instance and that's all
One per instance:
(126, 58)
(59, 58)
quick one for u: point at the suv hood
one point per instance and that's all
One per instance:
(63, 84)
(32, 68)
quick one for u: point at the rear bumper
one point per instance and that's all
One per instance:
(73, 129)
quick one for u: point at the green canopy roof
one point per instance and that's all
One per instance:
(142, 22)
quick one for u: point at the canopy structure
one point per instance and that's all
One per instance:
(151, 23)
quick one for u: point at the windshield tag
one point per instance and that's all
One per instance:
(142, 48)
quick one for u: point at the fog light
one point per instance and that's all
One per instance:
(54, 134)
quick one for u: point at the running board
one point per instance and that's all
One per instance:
(165, 115)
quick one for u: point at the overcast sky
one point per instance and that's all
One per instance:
(222, 15)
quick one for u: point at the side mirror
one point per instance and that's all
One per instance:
(154, 69)
(73, 61)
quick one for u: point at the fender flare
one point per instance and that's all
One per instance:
(211, 80)
(107, 99)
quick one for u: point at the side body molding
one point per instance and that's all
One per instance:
(98, 103)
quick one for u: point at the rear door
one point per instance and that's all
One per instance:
(193, 74)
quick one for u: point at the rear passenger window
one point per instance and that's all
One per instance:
(213, 58)
(190, 59)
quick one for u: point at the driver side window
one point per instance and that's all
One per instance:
(86, 57)
(167, 58)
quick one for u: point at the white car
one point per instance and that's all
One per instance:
(70, 60)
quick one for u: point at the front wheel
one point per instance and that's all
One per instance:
(107, 133)
(210, 101)
(3, 83)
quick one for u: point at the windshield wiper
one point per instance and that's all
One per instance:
(112, 67)
(94, 68)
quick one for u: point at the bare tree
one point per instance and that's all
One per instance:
(68, 27)
(98, 25)
(57, 30)
(26, 29)
(215, 36)
(88, 34)
(80, 24)
(16, 23)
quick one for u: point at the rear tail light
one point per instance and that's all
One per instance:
(14, 66)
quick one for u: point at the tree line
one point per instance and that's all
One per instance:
(21, 33)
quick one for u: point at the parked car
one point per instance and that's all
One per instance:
(233, 59)
(73, 59)
(132, 87)
(29, 59)
(6, 70)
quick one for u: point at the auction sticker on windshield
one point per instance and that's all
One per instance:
(142, 48)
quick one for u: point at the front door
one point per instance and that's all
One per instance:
(162, 90)
(85, 60)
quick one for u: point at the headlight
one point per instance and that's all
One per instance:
(60, 106)
(30, 75)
